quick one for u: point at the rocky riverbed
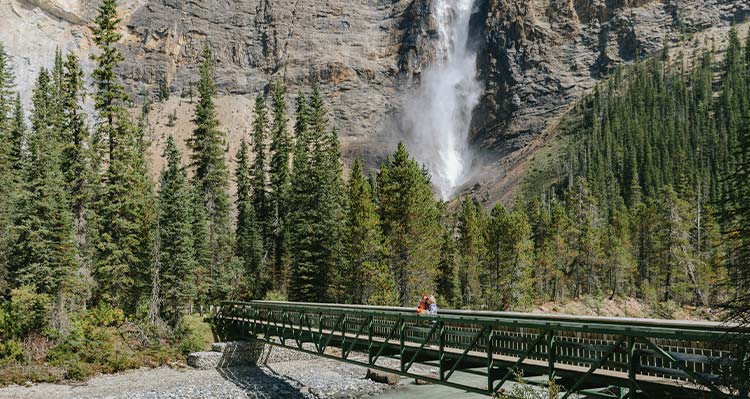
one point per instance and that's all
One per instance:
(315, 379)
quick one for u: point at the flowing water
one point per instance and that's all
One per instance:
(439, 115)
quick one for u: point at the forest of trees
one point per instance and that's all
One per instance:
(651, 201)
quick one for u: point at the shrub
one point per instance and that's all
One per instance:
(275, 296)
(665, 309)
(10, 352)
(193, 334)
(522, 390)
(26, 312)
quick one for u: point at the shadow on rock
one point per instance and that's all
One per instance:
(258, 383)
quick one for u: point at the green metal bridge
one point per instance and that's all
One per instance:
(585, 356)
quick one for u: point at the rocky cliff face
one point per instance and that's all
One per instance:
(535, 57)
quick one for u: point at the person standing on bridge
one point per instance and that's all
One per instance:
(431, 305)
(428, 305)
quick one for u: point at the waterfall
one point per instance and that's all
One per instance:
(438, 117)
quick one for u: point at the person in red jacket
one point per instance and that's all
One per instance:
(424, 304)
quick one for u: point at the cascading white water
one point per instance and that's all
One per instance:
(439, 116)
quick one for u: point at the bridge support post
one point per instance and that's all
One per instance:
(369, 341)
(402, 347)
(633, 364)
(441, 352)
(490, 362)
(551, 354)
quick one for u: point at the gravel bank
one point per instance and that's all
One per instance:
(300, 379)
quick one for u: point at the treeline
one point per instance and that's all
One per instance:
(653, 178)
(655, 174)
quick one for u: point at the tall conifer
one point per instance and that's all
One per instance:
(249, 247)
(410, 222)
(177, 272)
(211, 176)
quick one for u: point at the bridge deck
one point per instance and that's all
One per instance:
(626, 358)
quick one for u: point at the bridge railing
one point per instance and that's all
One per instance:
(581, 353)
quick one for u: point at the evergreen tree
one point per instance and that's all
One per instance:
(17, 138)
(447, 284)
(509, 251)
(249, 242)
(368, 279)
(7, 84)
(736, 217)
(211, 177)
(280, 179)
(583, 237)
(410, 222)
(113, 122)
(261, 200)
(8, 163)
(43, 254)
(125, 204)
(471, 227)
(317, 196)
(175, 231)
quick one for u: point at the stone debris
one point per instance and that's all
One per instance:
(204, 360)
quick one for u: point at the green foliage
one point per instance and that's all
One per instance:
(171, 118)
(471, 247)
(316, 206)
(125, 210)
(259, 175)
(509, 266)
(249, 246)
(409, 216)
(211, 178)
(193, 335)
(366, 278)
(275, 296)
(281, 180)
(163, 90)
(524, 390)
(26, 312)
(11, 351)
(175, 232)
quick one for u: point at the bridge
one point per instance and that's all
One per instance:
(584, 356)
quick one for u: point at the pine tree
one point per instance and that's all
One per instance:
(368, 279)
(125, 204)
(7, 84)
(110, 94)
(249, 242)
(583, 239)
(280, 179)
(212, 178)
(675, 255)
(410, 222)
(17, 138)
(509, 251)
(317, 197)
(261, 200)
(471, 227)
(175, 230)
(8, 164)
(43, 254)
(447, 284)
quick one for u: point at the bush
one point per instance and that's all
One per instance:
(10, 352)
(522, 390)
(26, 312)
(193, 334)
(665, 309)
(275, 296)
